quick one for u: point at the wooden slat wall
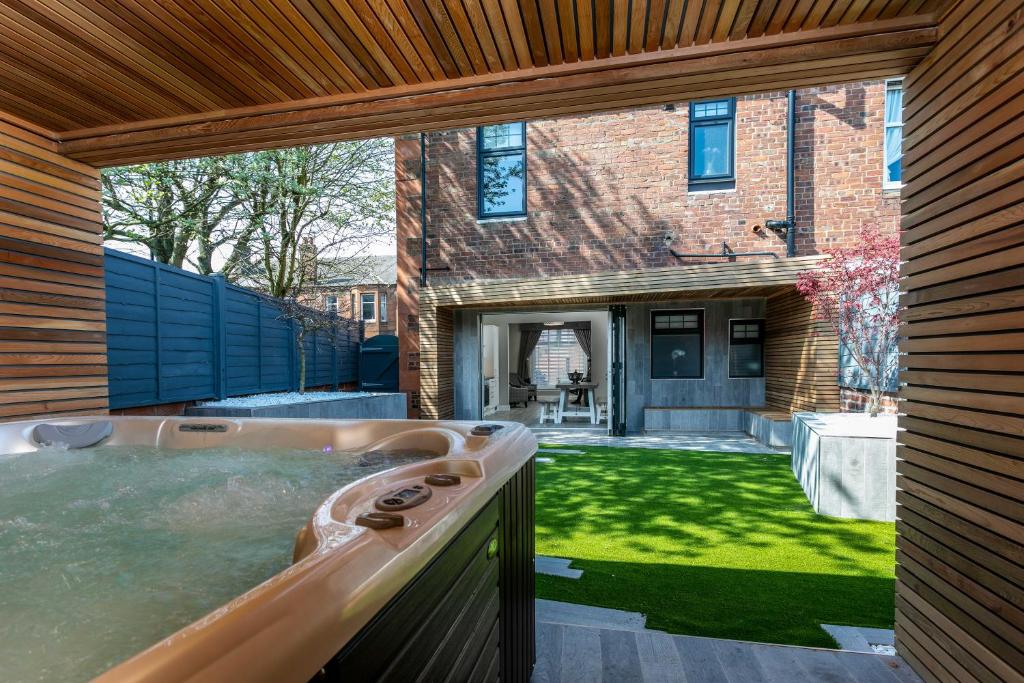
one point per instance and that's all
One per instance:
(801, 357)
(960, 580)
(52, 330)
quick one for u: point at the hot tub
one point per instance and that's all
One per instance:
(423, 568)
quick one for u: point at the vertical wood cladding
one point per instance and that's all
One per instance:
(960, 614)
(52, 329)
(801, 357)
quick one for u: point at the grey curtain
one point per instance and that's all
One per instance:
(583, 339)
(527, 343)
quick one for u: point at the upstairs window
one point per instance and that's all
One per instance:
(746, 348)
(501, 170)
(332, 304)
(368, 301)
(677, 345)
(893, 145)
(712, 134)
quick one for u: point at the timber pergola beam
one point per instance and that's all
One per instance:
(811, 57)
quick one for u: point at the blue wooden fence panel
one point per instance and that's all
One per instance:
(176, 336)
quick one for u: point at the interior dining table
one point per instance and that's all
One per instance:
(566, 409)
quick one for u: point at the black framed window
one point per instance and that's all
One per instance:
(677, 344)
(501, 170)
(746, 348)
(712, 141)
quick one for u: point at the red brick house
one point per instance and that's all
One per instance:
(667, 227)
(363, 288)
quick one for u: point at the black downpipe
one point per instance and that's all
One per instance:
(790, 182)
(788, 225)
(423, 210)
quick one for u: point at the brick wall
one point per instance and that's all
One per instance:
(609, 192)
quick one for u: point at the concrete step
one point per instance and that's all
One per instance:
(569, 614)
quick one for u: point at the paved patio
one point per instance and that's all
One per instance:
(723, 442)
(578, 654)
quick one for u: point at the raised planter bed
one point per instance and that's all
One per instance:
(846, 463)
(326, 405)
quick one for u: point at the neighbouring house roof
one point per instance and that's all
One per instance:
(359, 270)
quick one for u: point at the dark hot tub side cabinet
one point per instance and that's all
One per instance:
(468, 615)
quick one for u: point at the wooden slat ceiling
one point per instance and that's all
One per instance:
(88, 71)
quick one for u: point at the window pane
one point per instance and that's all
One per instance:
(384, 308)
(893, 134)
(711, 150)
(332, 304)
(368, 301)
(703, 110)
(894, 105)
(503, 136)
(556, 355)
(745, 360)
(503, 184)
(675, 355)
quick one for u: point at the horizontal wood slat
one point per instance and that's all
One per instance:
(960, 611)
(801, 357)
(52, 351)
(68, 66)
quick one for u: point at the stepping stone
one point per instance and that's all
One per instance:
(556, 566)
(545, 459)
(553, 612)
(563, 451)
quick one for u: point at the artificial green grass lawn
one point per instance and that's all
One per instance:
(711, 544)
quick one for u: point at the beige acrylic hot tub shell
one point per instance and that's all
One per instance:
(286, 628)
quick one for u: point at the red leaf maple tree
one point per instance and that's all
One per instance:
(856, 291)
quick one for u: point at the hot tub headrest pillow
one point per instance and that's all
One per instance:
(72, 436)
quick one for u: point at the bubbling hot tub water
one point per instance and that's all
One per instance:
(106, 550)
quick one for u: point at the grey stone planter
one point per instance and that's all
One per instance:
(846, 463)
(372, 407)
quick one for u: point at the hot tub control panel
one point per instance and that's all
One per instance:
(403, 498)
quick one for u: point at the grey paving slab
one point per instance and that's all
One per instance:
(581, 656)
(554, 612)
(717, 442)
(573, 653)
(848, 638)
(620, 660)
(659, 658)
(700, 661)
(556, 566)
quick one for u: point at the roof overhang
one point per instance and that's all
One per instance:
(140, 81)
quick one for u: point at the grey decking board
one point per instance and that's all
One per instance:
(549, 653)
(779, 663)
(825, 666)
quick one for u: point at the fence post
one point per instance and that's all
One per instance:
(220, 347)
(159, 332)
(334, 356)
(293, 356)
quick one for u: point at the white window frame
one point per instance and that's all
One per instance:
(362, 306)
(890, 84)
(331, 303)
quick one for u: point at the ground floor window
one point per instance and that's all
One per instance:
(384, 307)
(746, 348)
(677, 344)
(555, 356)
(332, 304)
